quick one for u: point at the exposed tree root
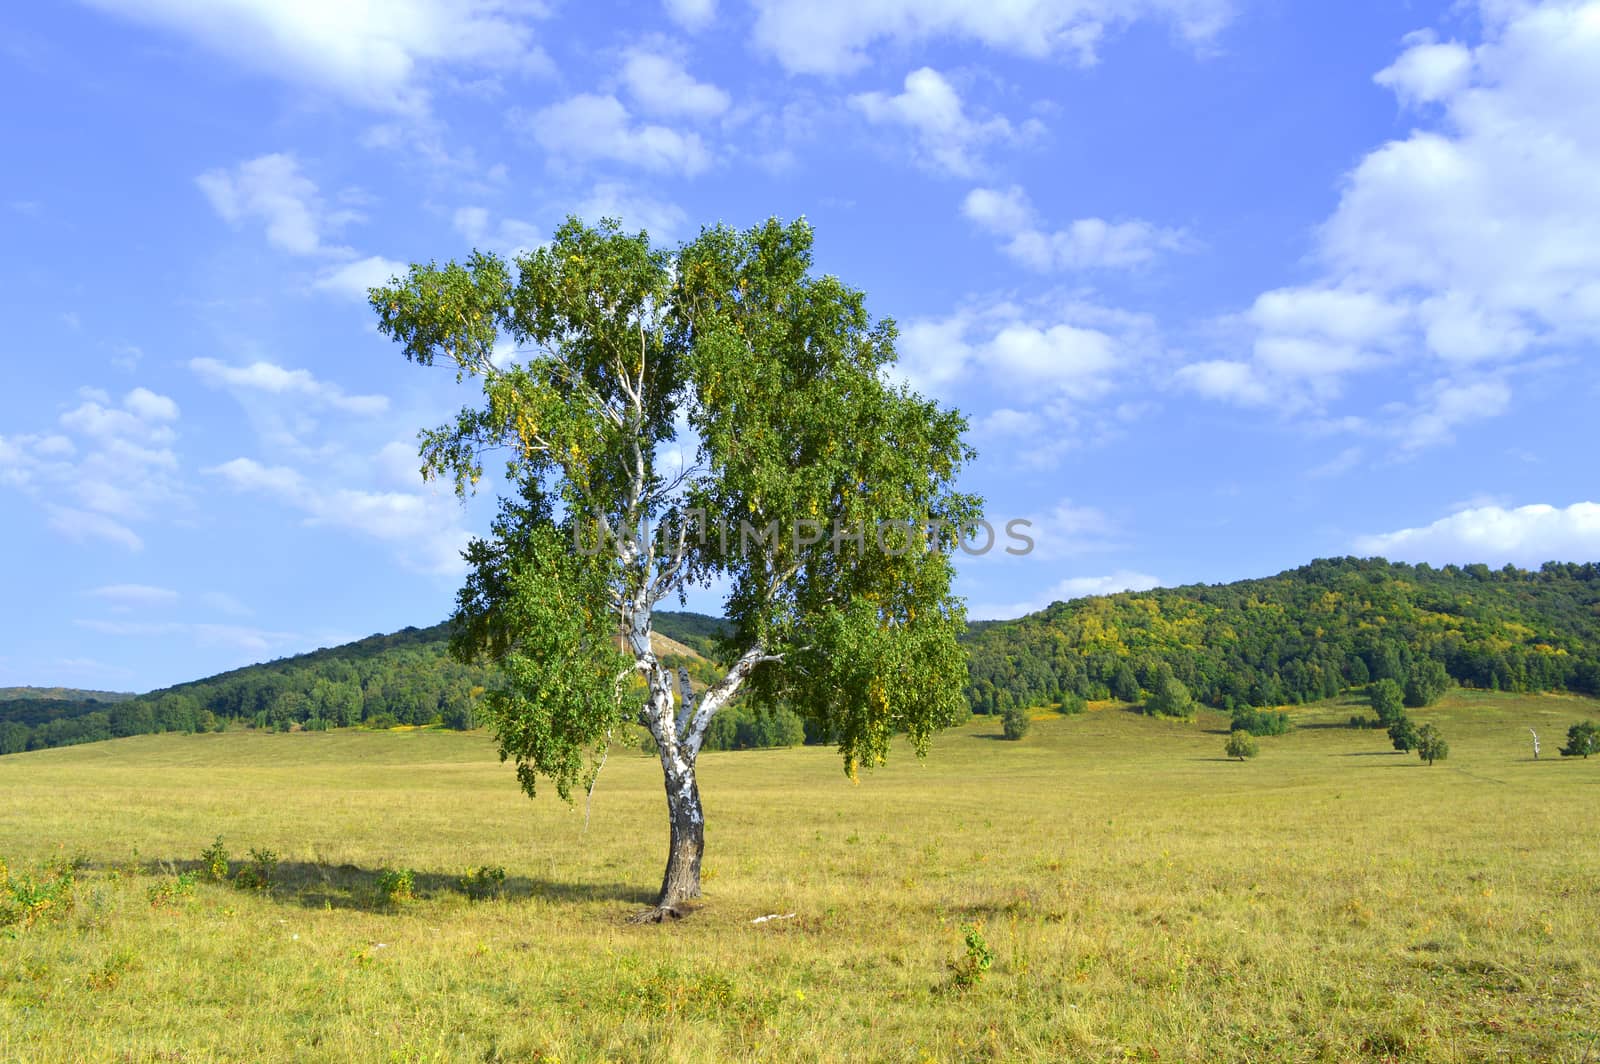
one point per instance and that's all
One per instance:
(658, 914)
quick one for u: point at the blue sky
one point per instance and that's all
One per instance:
(1223, 285)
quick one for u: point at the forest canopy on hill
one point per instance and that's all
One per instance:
(1302, 635)
(1297, 637)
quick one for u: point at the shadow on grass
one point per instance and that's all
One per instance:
(316, 885)
(1375, 753)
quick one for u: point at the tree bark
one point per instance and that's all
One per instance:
(681, 880)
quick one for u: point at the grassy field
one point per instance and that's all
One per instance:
(1143, 898)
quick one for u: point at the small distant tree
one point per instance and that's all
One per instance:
(1430, 744)
(1014, 723)
(1583, 739)
(1388, 701)
(1403, 733)
(1242, 745)
(1169, 697)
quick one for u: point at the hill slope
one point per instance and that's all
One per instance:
(405, 677)
(1302, 635)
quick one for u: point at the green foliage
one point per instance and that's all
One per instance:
(1304, 635)
(1260, 722)
(1388, 701)
(395, 885)
(745, 726)
(47, 893)
(165, 892)
(976, 958)
(1014, 723)
(1426, 681)
(258, 874)
(1241, 744)
(482, 882)
(1431, 745)
(1403, 734)
(1071, 704)
(1583, 739)
(214, 861)
(1168, 696)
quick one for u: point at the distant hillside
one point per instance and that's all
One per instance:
(61, 694)
(1303, 635)
(405, 677)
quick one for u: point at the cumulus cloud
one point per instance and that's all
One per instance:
(1065, 348)
(835, 36)
(379, 56)
(1087, 243)
(948, 139)
(660, 85)
(591, 127)
(112, 465)
(1524, 535)
(276, 380)
(1469, 245)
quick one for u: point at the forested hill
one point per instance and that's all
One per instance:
(407, 677)
(1303, 635)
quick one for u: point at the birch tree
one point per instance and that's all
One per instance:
(715, 414)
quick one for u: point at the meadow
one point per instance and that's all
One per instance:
(1142, 898)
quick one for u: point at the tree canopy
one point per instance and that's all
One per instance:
(676, 417)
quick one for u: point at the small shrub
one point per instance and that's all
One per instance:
(396, 885)
(168, 891)
(1014, 723)
(1071, 705)
(214, 861)
(970, 968)
(1583, 739)
(49, 894)
(258, 874)
(1241, 745)
(483, 882)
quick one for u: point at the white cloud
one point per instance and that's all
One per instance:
(120, 469)
(136, 595)
(276, 380)
(833, 36)
(510, 236)
(1525, 535)
(1066, 348)
(1225, 379)
(591, 127)
(611, 199)
(692, 14)
(1064, 591)
(1471, 243)
(1087, 243)
(1427, 71)
(661, 86)
(424, 529)
(373, 55)
(270, 189)
(1449, 404)
(353, 279)
(948, 139)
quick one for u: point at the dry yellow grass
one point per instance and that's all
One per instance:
(1144, 898)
